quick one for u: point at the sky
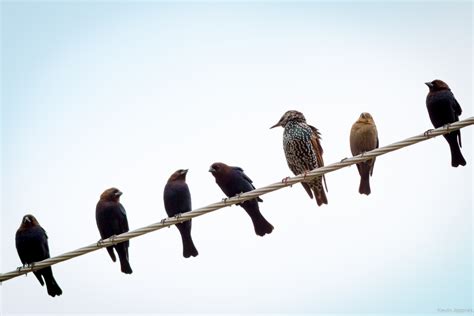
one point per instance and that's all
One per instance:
(102, 94)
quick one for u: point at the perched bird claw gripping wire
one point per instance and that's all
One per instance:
(343, 159)
(285, 181)
(428, 133)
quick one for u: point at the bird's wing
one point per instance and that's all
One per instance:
(246, 178)
(124, 221)
(373, 161)
(457, 108)
(318, 150)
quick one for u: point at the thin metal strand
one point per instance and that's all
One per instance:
(238, 199)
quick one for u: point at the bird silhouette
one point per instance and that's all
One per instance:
(233, 181)
(444, 109)
(177, 199)
(32, 246)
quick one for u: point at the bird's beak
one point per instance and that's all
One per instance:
(429, 84)
(276, 125)
(212, 170)
(119, 193)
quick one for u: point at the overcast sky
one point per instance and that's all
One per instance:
(123, 94)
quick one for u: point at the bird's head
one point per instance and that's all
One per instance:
(178, 175)
(29, 221)
(290, 116)
(365, 117)
(437, 85)
(112, 194)
(218, 168)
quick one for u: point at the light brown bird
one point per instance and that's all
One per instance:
(364, 137)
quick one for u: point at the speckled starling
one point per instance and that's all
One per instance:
(32, 246)
(112, 220)
(364, 138)
(444, 109)
(233, 181)
(177, 200)
(303, 151)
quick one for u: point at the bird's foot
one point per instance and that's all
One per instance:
(100, 242)
(447, 126)
(112, 239)
(225, 200)
(178, 216)
(163, 221)
(305, 174)
(285, 181)
(343, 159)
(428, 133)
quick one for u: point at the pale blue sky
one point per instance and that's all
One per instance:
(123, 94)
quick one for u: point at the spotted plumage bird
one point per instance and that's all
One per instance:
(364, 138)
(443, 109)
(303, 151)
(177, 199)
(112, 220)
(233, 181)
(32, 246)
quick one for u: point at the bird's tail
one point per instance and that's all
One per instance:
(188, 245)
(51, 285)
(260, 224)
(456, 155)
(110, 250)
(364, 171)
(122, 251)
(318, 189)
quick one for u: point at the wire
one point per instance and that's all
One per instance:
(238, 199)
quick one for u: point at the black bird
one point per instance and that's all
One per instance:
(112, 220)
(32, 246)
(233, 181)
(444, 109)
(303, 151)
(177, 200)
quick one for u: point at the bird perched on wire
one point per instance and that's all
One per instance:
(303, 151)
(364, 138)
(233, 181)
(112, 220)
(177, 200)
(444, 109)
(32, 246)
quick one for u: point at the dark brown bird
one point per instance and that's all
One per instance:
(303, 151)
(112, 220)
(233, 181)
(32, 246)
(444, 109)
(364, 138)
(177, 200)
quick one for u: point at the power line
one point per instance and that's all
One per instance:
(238, 199)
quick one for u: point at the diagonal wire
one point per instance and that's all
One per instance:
(238, 199)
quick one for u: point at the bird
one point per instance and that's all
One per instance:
(443, 109)
(233, 181)
(303, 151)
(112, 220)
(364, 138)
(177, 199)
(32, 246)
